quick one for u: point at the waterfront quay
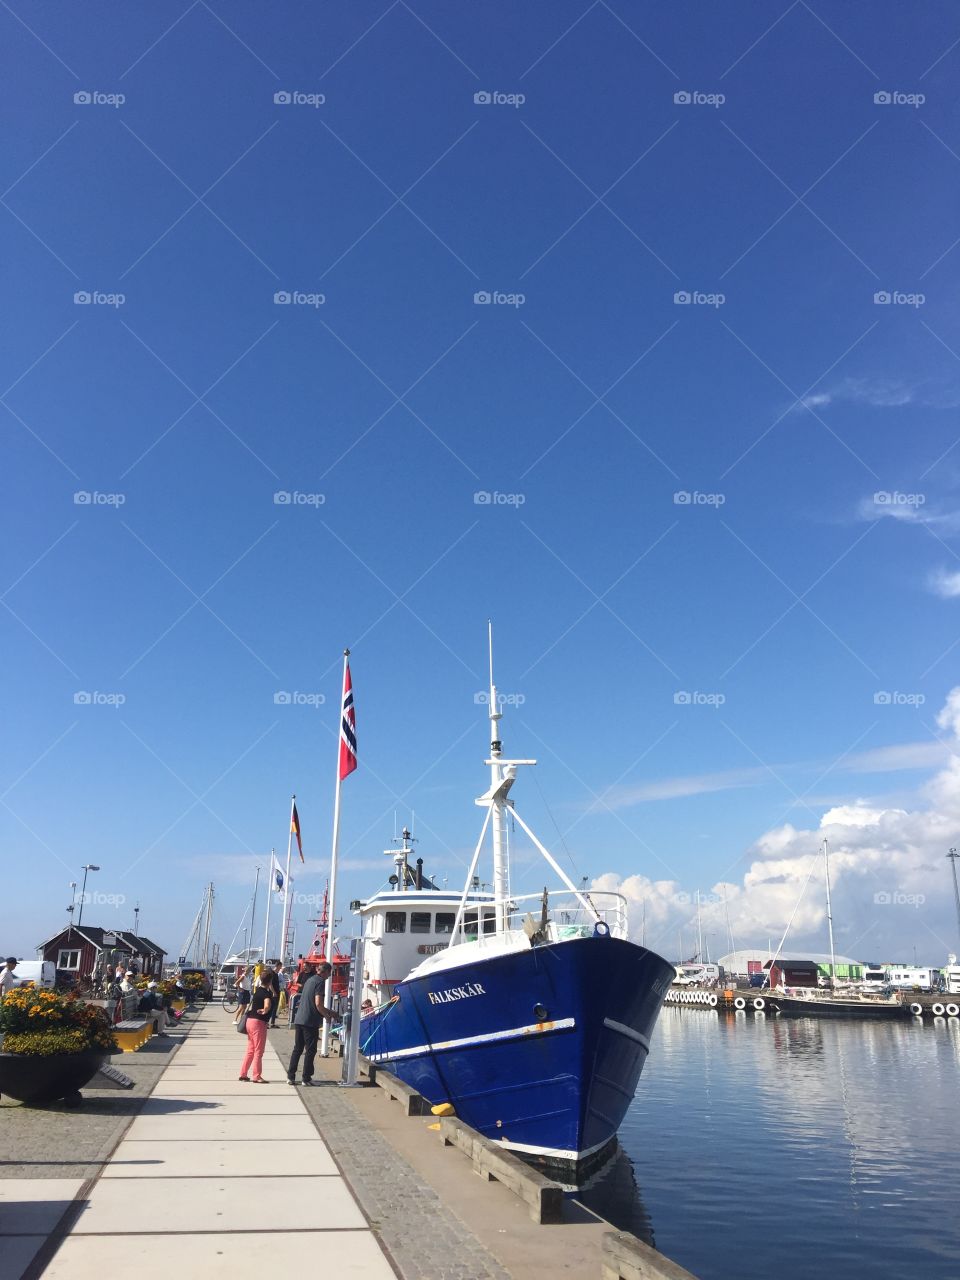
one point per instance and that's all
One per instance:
(922, 1004)
(196, 1170)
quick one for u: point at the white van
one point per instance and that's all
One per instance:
(43, 973)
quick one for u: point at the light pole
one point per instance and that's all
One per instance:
(87, 866)
(953, 856)
(136, 921)
(72, 907)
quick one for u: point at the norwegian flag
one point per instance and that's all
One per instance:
(348, 727)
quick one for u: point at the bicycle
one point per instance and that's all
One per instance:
(230, 999)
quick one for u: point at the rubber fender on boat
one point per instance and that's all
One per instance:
(601, 929)
(759, 1003)
(916, 1009)
(953, 1010)
(739, 1003)
(938, 1010)
(712, 1001)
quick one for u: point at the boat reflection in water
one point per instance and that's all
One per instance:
(614, 1194)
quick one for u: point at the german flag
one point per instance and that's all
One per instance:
(295, 828)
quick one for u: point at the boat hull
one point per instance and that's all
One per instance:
(800, 1008)
(539, 1049)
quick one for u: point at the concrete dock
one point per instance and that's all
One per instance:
(209, 1175)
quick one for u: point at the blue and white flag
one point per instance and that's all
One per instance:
(277, 876)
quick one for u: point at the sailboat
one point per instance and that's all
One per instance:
(530, 1015)
(807, 1002)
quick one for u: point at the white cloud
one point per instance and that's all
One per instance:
(888, 870)
(883, 393)
(693, 784)
(902, 755)
(945, 583)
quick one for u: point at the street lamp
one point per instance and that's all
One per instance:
(953, 855)
(87, 866)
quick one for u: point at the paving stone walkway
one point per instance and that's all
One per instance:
(220, 1178)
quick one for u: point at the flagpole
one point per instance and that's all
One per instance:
(332, 908)
(271, 889)
(286, 890)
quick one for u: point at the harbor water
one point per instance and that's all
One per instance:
(760, 1145)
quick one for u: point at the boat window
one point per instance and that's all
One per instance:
(489, 922)
(396, 922)
(419, 921)
(445, 921)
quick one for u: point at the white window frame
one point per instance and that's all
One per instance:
(68, 951)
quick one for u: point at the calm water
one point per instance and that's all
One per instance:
(796, 1148)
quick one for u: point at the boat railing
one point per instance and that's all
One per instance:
(571, 914)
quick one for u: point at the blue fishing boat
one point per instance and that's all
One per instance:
(531, 1015)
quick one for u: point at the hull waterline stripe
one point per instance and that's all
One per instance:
(553, 1153)
(628, 1032)
(515, 1033)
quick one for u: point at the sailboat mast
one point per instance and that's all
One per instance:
(826, 870)
(501, 865)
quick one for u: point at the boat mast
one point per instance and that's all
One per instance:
(826, 870)
(501, 862)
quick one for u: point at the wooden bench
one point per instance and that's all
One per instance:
(543, 1198)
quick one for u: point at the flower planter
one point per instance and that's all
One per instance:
(36, 1079)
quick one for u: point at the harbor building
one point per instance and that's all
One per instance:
(798, 968)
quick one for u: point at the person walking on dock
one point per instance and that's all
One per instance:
(307, 1022)
(257, 1015)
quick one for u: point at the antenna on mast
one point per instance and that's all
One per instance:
(495, 713)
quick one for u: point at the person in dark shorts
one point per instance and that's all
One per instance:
(307, 1023)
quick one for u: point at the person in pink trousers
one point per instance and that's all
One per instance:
(258, 1015)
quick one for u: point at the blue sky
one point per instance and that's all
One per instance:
(781, 198)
